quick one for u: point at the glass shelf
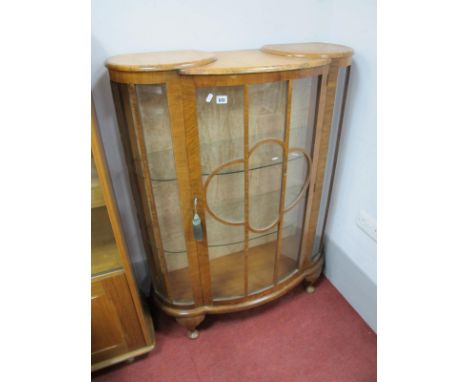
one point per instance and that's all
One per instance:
(240, 241)
(217, 153)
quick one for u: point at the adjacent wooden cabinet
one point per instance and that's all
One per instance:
(120, 328)
(231, 158)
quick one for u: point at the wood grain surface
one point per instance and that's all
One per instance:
(309, 49)
(159, 61)
(251, 61)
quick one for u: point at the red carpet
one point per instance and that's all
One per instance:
(300, 337)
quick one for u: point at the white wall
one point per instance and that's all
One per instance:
(353, 23)
(120, 26)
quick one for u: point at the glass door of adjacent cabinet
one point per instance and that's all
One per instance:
(104, 253)
(255, 148)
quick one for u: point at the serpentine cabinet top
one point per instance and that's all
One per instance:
(270, 58)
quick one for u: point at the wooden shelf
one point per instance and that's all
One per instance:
(225, 271)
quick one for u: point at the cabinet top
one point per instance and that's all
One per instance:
(310, 49)
(252, 61)
(159, 61)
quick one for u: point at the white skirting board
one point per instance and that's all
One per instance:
(355, 286)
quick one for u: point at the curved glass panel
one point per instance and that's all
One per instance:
(152, 102)
(332, 144)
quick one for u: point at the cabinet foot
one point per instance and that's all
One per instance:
(191, 323)
(312, 278)
(193, 335)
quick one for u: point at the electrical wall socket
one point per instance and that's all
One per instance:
(367, 224)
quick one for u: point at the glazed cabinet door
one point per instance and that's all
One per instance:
(256, 148)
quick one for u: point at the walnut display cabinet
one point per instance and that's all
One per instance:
(120, 327)
(228, 155)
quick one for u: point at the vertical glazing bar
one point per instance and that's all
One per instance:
(183, 180)
(147, 182)
(283, 183)
(192, 148)
(335, 156)
(246, 189)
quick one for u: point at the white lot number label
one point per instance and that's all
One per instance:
(221, 99)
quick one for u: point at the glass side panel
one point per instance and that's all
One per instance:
(122, 98)
(154, 112)
(104, 254)
(339, 97)
(220, 112)
(267, 121)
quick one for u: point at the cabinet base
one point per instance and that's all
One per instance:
(190, 317)
(127, 357)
